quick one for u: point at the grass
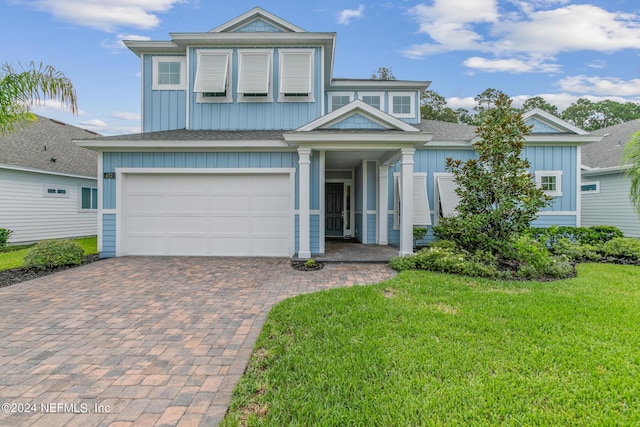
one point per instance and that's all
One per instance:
(434, 349)
(11, 257)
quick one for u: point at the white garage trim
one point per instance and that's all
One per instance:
(123, 174)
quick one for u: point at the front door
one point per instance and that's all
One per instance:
(334, 203)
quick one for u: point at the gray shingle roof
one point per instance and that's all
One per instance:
(608, 152)
(445, 131)
(37, 144)
(200, 135)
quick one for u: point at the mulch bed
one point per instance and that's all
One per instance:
(22, 274)
(302, 266)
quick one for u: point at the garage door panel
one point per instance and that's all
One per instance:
(188, 203)
(229, 203)
(196, 225)
(223, 223)
(270, 203)
(207, 214)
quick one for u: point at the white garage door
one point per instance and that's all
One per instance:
(200, 215)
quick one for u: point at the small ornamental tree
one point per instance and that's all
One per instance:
(498, 197)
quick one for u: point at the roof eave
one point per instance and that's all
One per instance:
(142, 47)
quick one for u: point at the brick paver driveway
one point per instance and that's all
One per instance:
(143, 341)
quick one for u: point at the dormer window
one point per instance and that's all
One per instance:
(254, 75)
(296, 75)
(213, 75)
(402, 104)
(169, 73)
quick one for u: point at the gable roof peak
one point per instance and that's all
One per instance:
(554, 121)
(254, 14)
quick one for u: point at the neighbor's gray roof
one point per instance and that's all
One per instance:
(608, 152)
(37, 144)
(446, 131)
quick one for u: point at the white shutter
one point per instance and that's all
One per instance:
(447, 193)
(295, 73)
(421, 215)
(254, 72)
(211, 75)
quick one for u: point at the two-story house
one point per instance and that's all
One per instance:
(250, 147)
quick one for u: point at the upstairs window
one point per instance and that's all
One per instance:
(550, 182)
(169, 73)
(296, 75)
(213, 75)
(254, 75)
(339, 99)
(372, 98)
(402, 105)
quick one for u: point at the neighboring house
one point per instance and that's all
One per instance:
(48, 186)
(251, 147)
(605, 188)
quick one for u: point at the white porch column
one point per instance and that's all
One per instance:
(304, 163)
(383, 205)
(406, 202)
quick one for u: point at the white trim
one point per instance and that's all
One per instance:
(557, 174)
(122, 173)
(383, 205)
(330, 96)
(109, 211)
(252, 15)
(596, 191)
(577, 189)
(321, 191)
(368, 93)
(412, 108)
(199, 85)
(155, 85)
(101, 210)
(268, 78)
(553, 121)
(285, 79)
(304, 236)
(80, 197)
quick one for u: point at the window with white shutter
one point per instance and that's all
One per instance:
(296, 76)
(446, 197)
(213, 75)
(254, 75)
(421, 211)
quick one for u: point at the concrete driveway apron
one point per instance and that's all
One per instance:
(143, 340)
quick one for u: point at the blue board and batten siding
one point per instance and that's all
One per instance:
(162, 109)
(178, 160)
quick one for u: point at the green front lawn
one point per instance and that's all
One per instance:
(13, 258)
(435, 349)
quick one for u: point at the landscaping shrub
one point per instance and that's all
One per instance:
(402, 263)
(576, 251)
(622, 247)
(418, 234)
(594, 235)
(533, 260)
(4, 237)
(54, 253)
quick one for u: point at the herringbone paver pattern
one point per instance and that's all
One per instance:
(143, 341)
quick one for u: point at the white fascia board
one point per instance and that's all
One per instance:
(142, 47)
(555, 139)
(554, 121)
(257, 13)
(374, 84)
(462, 144)
(45, 172)
(605, 171)
(253, 39)
(112, 145)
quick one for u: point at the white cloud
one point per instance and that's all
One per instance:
(467, 102)
(93, 124)
(601, 86)
(125, 115)
(106, 15)
(512, 65)
(345, 16)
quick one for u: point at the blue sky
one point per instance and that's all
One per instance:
(559, 49)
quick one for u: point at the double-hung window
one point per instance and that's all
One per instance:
(339, 99)
(402, 104)
(169, 73)
(296, 75)
(254, 75)
(213, 76)
(375, 99)
(550, 182)
(88, 198)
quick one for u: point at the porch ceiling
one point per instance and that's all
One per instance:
(351, 159)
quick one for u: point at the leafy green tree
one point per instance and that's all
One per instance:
(485, 102)
(383, 73)
(22, 89)
(541, 103)
(434, 107)
(578, 113)
(498, 197)
(631, 157)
